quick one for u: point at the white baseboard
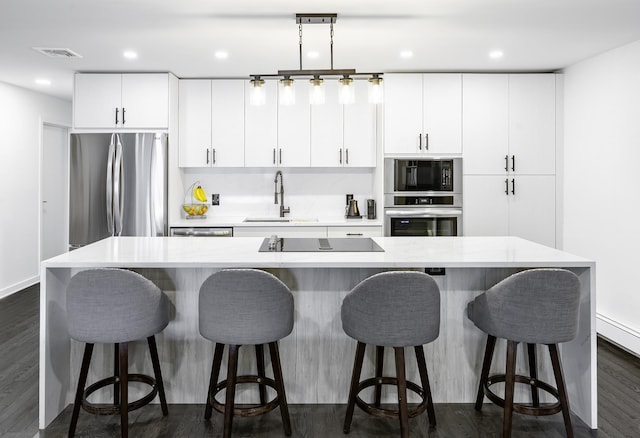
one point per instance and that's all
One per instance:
(625, 337)
(18, 286)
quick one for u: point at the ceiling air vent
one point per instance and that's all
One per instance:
(57, 52)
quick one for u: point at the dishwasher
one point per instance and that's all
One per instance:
(201, 232)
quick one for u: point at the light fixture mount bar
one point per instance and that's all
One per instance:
(325, 72)
(316, 18)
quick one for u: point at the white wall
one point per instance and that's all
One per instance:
(602, 183)
(22, 113)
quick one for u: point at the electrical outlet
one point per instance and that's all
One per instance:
(215, 199)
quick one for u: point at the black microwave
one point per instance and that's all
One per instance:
(423, 175)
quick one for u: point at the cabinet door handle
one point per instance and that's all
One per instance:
(513, 163)
(426, 141)
(117, 110)
(513, 186)
(354, 234)
(506, 163)
(347, 155)
(280, 156)
(340, 155)
(420, 141)
(214, 156)
(274, 155)
(123, 110)
(207, 155)
(506, 187)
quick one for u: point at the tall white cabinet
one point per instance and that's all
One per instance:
(509, 131)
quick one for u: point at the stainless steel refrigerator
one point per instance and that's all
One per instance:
(118, 186)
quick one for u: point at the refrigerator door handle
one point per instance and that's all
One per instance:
(118, 188)
(110, 185)
(156, 188)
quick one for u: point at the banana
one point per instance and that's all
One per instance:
(199, 194)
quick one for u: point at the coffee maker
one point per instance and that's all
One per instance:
(351, 210)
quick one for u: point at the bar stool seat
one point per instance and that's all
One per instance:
(537, 306)
(115, 306)
(392, 309)
(245, 307)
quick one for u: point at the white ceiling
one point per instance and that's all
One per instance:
(261, 36)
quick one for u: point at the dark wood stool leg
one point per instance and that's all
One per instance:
(353, 390)
(562, 390)
(261, 374)
(116, 373)
(533, 373)
(379, 365)
(155, 360)
(510, 380)
(124, 389)
(402, 392)
(232, 372)
(424, 379)
(277, 374)
(82, 380)
(213, 380)
(486, 365)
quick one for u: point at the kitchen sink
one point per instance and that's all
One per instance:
(279, 219)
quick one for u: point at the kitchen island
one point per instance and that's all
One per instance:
(317, 357)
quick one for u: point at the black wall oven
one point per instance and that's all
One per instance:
(423, 197)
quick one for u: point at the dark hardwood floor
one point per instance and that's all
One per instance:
(618, 403)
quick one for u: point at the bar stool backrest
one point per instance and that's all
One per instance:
(537, 306)
(113, 306)
(393, 309)
(245, 307)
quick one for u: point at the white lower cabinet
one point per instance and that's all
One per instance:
(285, 231)
(365, 231)
(522, 206)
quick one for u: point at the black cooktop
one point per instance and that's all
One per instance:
(314, 244)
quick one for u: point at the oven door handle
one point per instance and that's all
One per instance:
(425, 212)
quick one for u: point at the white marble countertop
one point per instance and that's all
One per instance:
(294, 221)
(405, 252)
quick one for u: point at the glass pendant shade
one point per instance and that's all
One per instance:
(258, 94)
(347, 93)
(316, 94)
(376, 94)
(287, 94)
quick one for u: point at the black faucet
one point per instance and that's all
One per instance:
(283, 209)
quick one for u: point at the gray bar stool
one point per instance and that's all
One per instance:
(537, 306)
(392, 309)
(114, 306)
(245, 307)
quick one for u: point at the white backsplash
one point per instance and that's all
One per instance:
(309, 193)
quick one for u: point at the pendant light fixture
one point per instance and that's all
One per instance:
(316, 77)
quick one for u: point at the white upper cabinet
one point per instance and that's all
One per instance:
(211, 123)
(294, 127)
(134, 101)
(423, 113)
(532, 123)
(344, 135)
(261, 127)
(485, 123)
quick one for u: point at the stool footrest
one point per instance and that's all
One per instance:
(251, 410)
(543, 409)
(389, 413)
(113, 409)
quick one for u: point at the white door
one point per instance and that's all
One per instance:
(402, 113)
(442, 124)
(485, 127)
(360, 129)
(326, 129)
(532, 209)
(195, 123)
(96, 97)
(485, 211)
(145, 100)
(261, 127)
(532, 123)
(54, 191)
(294, 129)
(227, 123)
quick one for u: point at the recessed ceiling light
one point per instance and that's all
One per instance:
(406, 54)
(221, 54)
(130, 54)
(496, 54)
(313, 54)
(42, 81)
